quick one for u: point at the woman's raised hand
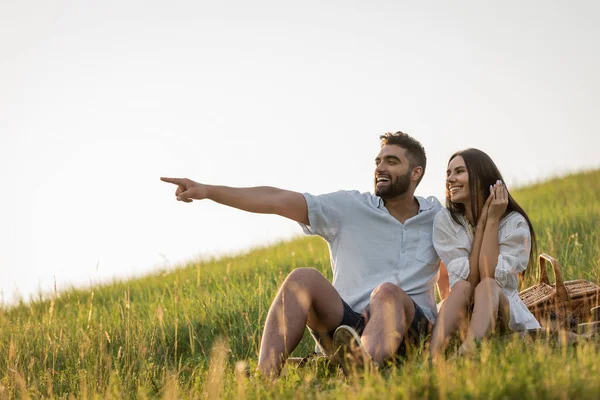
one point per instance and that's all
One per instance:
(499, 202)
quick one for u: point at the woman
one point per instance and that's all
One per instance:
(485, 240)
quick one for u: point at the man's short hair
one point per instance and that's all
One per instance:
(414, 149)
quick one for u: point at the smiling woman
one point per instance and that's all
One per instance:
(486, 240)
(457, 182)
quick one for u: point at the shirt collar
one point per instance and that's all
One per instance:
(424, 205)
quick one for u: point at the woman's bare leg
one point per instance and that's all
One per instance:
(490, 302)
(452, 315)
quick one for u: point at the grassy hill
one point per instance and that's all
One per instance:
(182, 334)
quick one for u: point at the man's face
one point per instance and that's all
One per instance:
(392, 172)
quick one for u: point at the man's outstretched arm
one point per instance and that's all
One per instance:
(260, 199)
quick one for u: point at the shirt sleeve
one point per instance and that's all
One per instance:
(514, 245)
(325, 214)
(453, 252)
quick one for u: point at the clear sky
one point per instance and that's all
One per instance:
(100, 99)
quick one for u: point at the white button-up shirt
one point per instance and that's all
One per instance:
(368, 247)
(453, 242)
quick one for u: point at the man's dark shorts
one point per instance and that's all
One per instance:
(418, 330)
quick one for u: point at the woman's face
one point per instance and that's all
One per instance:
(457, 181)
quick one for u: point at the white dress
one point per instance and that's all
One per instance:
(453, 244)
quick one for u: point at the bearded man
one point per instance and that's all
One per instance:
(382, 297)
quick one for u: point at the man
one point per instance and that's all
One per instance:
(384, 265)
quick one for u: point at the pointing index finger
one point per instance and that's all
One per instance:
(175, 181)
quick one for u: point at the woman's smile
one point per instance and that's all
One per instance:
(457, 180)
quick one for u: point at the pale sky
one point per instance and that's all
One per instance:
(100, 99)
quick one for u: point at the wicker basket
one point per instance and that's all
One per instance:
(565, 304)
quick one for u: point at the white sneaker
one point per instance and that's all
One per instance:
(348, 350)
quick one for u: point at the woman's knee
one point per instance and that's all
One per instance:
(464, 287)
(487, 286)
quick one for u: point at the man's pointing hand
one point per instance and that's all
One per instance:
(187, 190)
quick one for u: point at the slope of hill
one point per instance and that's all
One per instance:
(179, 334)
(566, 216)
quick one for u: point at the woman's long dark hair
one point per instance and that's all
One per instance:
(483, 173)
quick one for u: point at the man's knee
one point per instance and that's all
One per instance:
(302, 279)
(387, 290)
(393, 302)
(301, 275)
(298, 286)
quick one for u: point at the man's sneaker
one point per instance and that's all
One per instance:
(348, 351)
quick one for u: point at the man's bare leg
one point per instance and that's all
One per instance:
(392, 312)
(305, 298)
(451, 316)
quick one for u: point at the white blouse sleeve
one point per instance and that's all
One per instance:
(514, 243)
(453, 252)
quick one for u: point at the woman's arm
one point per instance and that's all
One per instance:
(474, 277)
(490, 250)
(488, 256)
(474, 255)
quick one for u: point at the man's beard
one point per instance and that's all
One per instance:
(398, 187)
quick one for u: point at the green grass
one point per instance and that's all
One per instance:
(565, 213)
(180, 334)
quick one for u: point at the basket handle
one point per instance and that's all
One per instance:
(561, 290)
